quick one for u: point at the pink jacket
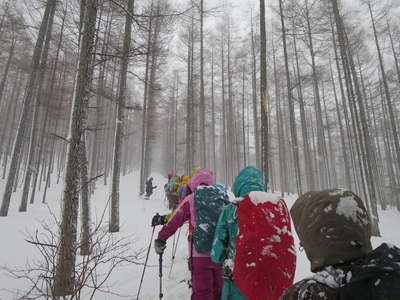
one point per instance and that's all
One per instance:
(185, 211)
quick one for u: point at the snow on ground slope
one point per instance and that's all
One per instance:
(136, 214)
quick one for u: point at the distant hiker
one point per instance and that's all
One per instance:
(335, 231)
(201, 209)
(260, 263)
(183, 188)
(149, 187)
(171, 192)
(170, 175)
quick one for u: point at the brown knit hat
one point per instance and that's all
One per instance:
(333, 226)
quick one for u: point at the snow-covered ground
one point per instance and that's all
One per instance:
(136, 214)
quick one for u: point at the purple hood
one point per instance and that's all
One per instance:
(203, 176)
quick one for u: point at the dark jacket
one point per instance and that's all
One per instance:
(376, 276)
(150, 187)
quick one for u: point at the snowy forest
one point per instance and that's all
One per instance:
(97, 96)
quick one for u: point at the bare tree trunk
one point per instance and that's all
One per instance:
(224, 137)
(145, 105)
(202, 97)
(263, 94)
(188, 105)
(393, 179)
(32, 154)
(119, 134)
(351, 130)
(386, 89)
(85, 244)
(151, 96)
(170, 133)
(230, 117)
(332, 156)
(3, 18)
(293, 129)
(174, 125)
(7, 69)
(363, 132)
(342, 136)
(10, 127)
(96, 158)
(377, 159)
(47, 108)
(280, 130)
(271, 159)
(22, 128)
(254, 94)
(213, 133)
(314, 148)
(396, 60)
(53, 143)
(64, 281)
(193, 117)
(321, 143)
(110, 128)
(307, 151)
(243, 118)
(10, 107)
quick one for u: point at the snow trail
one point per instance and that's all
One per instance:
(136, 214)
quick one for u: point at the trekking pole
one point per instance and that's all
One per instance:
(145, 263)
(173, 246)
(174, 249)
(160, 274)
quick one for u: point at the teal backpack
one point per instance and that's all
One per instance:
(209, 201)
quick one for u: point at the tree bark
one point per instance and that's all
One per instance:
(254, 94)
(307, 151)
(64, 281)
(263, 94)
(293, 130)
(145, 105)
(7, 69)
(202, 97)
(32, 154)
(119, 134)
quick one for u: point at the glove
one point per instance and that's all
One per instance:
(158, 220)
(159, 246)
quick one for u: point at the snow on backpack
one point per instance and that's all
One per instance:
(209, 202)
(265, 258)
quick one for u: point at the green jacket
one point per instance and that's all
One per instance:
(224, 247)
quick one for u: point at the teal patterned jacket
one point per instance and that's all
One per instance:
(223, 249)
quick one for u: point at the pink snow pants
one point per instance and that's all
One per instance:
(206, 279)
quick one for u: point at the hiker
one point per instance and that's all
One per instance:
(149, 187)
(335, 231)
(171, 192)
(260, 263)
(183, 188)
(169, 176)
(206, 275)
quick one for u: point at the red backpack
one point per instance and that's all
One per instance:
(265, 257)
